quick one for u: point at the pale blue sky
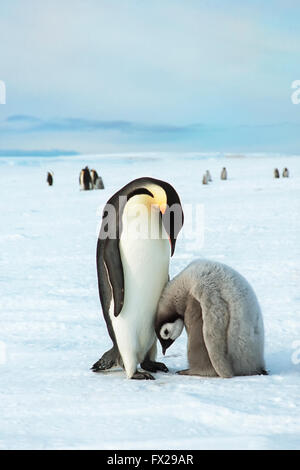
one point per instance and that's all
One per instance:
(107, 75)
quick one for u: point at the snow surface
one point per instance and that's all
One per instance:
(52, 329)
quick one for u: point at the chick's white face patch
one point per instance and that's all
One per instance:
(171, 330)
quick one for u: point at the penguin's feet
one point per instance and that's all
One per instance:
(139, 375)
(107, 361)
(154, 366)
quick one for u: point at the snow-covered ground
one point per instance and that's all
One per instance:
(52, 329)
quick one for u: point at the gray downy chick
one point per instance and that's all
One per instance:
(222, 317)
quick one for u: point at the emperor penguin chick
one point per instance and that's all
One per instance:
(204, 179)
(285, 173)
(224, 174)
(222, 317)
(208, 176)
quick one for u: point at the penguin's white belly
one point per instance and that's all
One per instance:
(146, 267)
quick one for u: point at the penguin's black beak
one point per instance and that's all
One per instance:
(166, 344)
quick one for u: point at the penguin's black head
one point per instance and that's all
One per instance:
(157, 194)
(168, 331)
(166, 198)
(165, 344)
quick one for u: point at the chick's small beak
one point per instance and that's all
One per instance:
(164, 350)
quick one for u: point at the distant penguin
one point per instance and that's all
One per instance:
(208, 176)
(285, 173)
(85, 179)
(50, 178)
(94, 177)
(97, 181)
(204, 179)
(81, 179)
(224, 174)
(276, 173)
(137, 237)
(222, 317)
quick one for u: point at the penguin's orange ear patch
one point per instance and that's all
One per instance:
(163, 207)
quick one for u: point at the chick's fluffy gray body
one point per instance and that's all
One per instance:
(222, 318)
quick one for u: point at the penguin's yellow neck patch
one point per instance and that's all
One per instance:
(160, 197)
(141, 215)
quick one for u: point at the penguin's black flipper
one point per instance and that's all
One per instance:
(112, 357)
(105, 289)
(112, 259)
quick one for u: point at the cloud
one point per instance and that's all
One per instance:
(31, 124)
(22, 118)
(95, 136)
(36, 153)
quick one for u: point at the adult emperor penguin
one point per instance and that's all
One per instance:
(97, 181)
(85, 179)
(50, 178)
(137, 237)
(94, 176)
